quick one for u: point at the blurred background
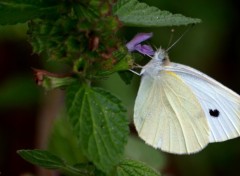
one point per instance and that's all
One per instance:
(27, 112)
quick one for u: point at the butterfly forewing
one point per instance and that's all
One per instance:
(221, 105)
(167, 114)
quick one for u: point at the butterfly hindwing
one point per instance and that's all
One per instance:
(167, 115)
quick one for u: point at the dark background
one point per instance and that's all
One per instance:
(212, 47)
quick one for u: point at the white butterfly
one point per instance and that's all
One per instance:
(180, 110)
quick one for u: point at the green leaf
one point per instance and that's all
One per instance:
(49, 161)
(20, 12)
(42, 158)
(100, 122)
(134, 168)
(134, 13)
(64, 143)
(125, 59)
(126, 76)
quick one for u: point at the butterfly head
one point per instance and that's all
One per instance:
(156, 64)
(161, 56)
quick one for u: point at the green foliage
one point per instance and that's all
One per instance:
(129, 167)
(134, 13)
(83, 35)
(122, 61)
(50, 161)
(42, 158)
(126, 76)
(19, 11)
(64, 143)
(99, 120)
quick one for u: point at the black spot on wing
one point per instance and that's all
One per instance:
(214, 113)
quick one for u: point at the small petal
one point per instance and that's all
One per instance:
(145, 49)
(137, 39)
(50, 80)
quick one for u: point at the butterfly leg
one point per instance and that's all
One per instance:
(134, 72)
(136, 66)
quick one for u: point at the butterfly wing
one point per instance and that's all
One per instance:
(167, 115)
(221, 105)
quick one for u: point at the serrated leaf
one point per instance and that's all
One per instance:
(134, 13)
(20, 12)
(64, 143)
(129, 167)
(49, 161)
(42, 158)
(99, 120)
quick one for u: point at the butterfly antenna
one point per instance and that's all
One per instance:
(171, 38)
(155, 47)
(179, 38)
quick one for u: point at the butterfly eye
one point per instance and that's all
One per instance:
(164, 59)
(214, 113)
(161, 57)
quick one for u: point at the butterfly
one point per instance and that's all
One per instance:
(180, 110)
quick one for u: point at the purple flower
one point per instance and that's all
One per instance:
(134, 44)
